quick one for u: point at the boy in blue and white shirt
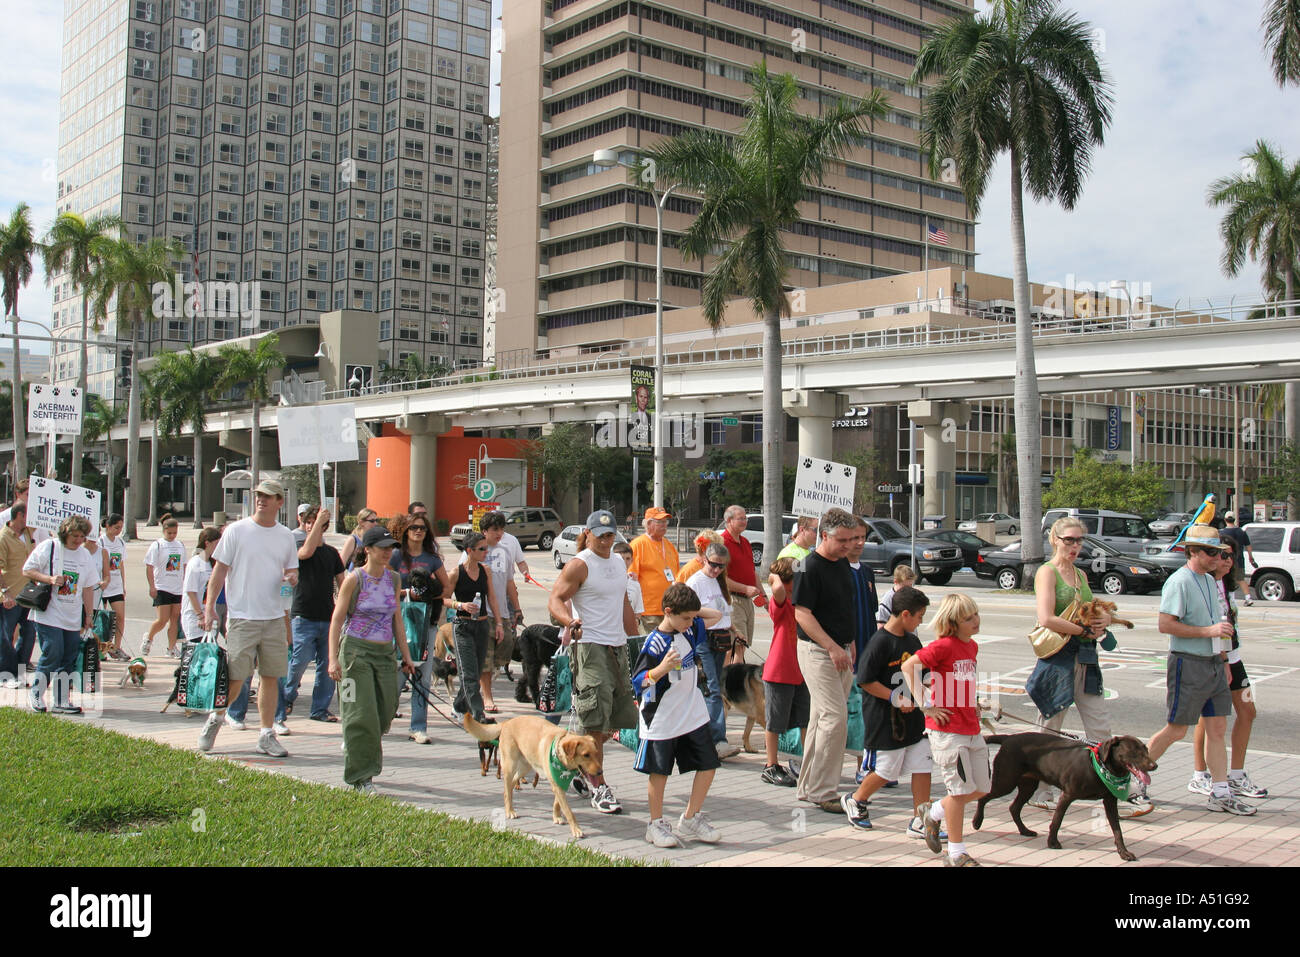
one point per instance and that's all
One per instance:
(674, 722)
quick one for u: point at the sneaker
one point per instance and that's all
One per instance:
(267, 743)
(173, 652)
(855, 812)
(117, 654)
(962, 860)
(917, 829)
(603, 800)
(146, 646)
(1138, 802)
(366, 787)
(581, 787)
(931, 828)
(1230, 805)
(1199, 785)
(1043, 804)
(830, 805)
(235, 722)
(66, 709)
(726, 750)
(1248, 601)
(280, 728)
(698, 828)
(660, 834)
(209, 733)
(1245, 787)
(796, 765)
(775, 774)
(419, 737)
(891, 784)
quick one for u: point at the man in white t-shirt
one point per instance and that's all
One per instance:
(503, 557)
(260, 558)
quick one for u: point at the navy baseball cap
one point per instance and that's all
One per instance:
(602, 522)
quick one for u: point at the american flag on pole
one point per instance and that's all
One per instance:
(937, 235)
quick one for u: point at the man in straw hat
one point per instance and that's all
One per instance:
(1196, 678)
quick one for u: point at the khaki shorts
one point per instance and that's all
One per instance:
(648, 623)
(261, 640)
(963, 760)
(742, 617)
(602, 688)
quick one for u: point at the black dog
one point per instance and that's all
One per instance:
(537, 646)
(423, 586)
(1026, 759)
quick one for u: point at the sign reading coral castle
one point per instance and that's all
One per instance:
(53, 409)
(50, 501)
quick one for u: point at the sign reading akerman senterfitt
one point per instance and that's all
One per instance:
(819, 485)
(50, 501)
(310, 435)
(53, 408)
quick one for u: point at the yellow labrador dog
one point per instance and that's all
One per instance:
(531, 743)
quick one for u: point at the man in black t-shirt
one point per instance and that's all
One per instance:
(1243, 551)
(895, 726)
(826, 618)
(320, 573)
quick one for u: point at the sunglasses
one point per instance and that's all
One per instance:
(418, 528)
(718, 565)
(1070, 539)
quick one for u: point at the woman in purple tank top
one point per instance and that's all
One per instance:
(366, 621)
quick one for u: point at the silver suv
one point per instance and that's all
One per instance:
(532, 526)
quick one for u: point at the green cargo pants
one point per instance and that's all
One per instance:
(367, 703)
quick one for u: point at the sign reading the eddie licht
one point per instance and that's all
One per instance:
(310, 435)
(50, 501)
(53, 409)
(820, 485)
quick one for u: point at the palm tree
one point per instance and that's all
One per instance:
(752, 183)
(101, 415)
(412, 369)
(1262, 222)
(151, 402)
(1207, 468)
(71, 247)
(130, 274)
(185, 382)
(1022, 78)
(251, 368)
(17, 246)
(1281, 25)
(1003, 460)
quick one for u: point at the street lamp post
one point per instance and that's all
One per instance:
(608, 159)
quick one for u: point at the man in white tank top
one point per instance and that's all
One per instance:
(599, 623)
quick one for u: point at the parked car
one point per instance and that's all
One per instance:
(1276, 547)
(1170, 556)
(1124, 530)
(969, 544)
(889, 545)
(1170, 525)
(1005, 524)
(754, 532)
(565, 545)
(1109, 571)
(532, 526)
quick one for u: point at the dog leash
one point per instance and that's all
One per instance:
(419, 689)
(1003, 716)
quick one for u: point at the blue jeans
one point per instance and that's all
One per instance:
(424, 675)
(310, 642)
(59, 647)
(18, 617)
(712, 661)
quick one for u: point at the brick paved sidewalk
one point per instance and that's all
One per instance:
(760, 824)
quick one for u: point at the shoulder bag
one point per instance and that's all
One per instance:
(1046, 642)
(36, 595)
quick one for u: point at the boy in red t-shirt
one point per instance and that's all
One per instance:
(787, 702)
(952, 722)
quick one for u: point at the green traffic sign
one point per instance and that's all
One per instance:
(485, 489)
(730, 420)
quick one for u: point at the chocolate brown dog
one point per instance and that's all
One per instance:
(1026, 759)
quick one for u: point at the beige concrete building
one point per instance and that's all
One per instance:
(577, 241)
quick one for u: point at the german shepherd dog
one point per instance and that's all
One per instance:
(742, 690)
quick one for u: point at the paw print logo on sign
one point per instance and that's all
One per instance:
(40, 483)
(65, 489)
(807, 463)
(827, 468)
(847, 471)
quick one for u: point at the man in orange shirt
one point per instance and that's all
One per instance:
(654, 564)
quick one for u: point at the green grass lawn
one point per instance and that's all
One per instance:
(74, 795)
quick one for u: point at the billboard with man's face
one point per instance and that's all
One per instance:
(640, 433)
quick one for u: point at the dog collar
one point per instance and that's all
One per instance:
(561, 776)
(1115, 784)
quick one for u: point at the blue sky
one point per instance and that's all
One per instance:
(1192, 92)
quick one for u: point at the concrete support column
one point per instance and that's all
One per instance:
(816, 411)
(939, 422)
(424, 431)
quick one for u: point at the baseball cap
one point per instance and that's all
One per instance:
(270, 487)
(602, 522)
(655, 512)
(304, 508)
(378, 536)
(1230, 517)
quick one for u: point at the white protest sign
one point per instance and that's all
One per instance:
(819, 485)
(310, 435)
(50, 501)
(53, 409)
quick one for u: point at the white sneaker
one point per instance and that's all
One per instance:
(726, 750)
(1245, 787)
(367, 788)
(1199, 785)
(235, 722)
(146, 646)
(603, 800)
(281, 728)
(208, 736)
(659, 834)
(1230, 805)
(268, 744)
(698, 828)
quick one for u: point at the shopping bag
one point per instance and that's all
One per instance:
(105, 625)
(204, 682)
(85, 677)
(555, 696)
(415, 616)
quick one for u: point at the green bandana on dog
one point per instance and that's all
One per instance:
(561, 776)
(1115, 784)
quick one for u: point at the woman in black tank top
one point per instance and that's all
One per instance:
(471, 585)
